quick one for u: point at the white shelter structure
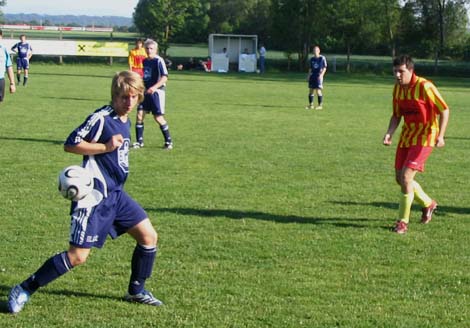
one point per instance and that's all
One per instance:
(228, 50)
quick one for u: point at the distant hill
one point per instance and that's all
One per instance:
(71, 20)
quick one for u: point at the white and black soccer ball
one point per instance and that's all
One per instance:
(75, 182)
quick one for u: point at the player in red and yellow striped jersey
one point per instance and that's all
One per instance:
(425, 115)
(136, 58)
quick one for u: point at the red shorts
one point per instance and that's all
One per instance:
(413, 157)
(139, 71)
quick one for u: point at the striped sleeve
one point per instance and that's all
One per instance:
(434, 96)
(90, 130)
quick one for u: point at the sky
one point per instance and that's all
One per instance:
(71, 7)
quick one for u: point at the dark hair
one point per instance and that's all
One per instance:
(404, 60)
(1, 32)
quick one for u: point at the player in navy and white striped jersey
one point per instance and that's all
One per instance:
(316, 72)
(104, 141)
(155, 78)
(25, 52)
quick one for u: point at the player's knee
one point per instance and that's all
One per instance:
(150, 238)
(77, 258)
(160, 119)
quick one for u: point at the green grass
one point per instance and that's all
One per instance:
(268, 215)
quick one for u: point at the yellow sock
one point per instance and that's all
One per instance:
(421, 197)
(405, 207)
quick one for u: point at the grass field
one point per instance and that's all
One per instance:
(268, 215)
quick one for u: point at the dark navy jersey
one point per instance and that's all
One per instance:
(22, 49)
(110, 170)
(317, 64)
(154, 70)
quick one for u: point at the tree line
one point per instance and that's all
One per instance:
(117, 22)
(423, 28)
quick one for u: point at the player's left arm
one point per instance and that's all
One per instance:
(443, 121)
(95, 148)
(158, 85)
(322, 73)
(323, 70)
(30, 53)
(11, 77)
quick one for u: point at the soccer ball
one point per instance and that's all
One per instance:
(75, 182)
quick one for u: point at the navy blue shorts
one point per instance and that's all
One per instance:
(315, 82)
(154, 103)
(113, 216)
(22, 63)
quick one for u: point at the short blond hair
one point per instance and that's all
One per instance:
(124, 82)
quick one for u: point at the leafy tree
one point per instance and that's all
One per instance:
(296, 24)
(357, 24)
(430, 28)
(161, 19)
(196, 24)
(225, 16)
(391, 14)
(255, 19)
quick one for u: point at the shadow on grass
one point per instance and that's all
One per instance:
(456, 138)
(75, 99)
(54, 142)
(5, 290)
(237, 215)
(252, 105)
(75, 74)
(442, 210)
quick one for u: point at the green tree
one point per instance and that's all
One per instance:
(225, 16)
(196, 24)
(161, 19)
(296, 24)
(358, 24)
(431, 28)
(256, 19)
(391, 14)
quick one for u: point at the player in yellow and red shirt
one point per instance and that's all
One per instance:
(136, 58)
(425, 116)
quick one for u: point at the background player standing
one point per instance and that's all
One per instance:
(25, 52)
(425, 116)
(155, 77)
(136, 58)
(316, 72)
(104, 141)
(262, 59)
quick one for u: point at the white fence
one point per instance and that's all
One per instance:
(74, 48)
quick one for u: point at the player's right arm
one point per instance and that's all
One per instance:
(130, 60)
(95, 148)
(392, 126)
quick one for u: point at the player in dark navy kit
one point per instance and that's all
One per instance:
(155, 77)
(104, 141)
(25, 52)
(315, 78)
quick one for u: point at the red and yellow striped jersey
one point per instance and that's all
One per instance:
(420, 104)
(136, 58)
